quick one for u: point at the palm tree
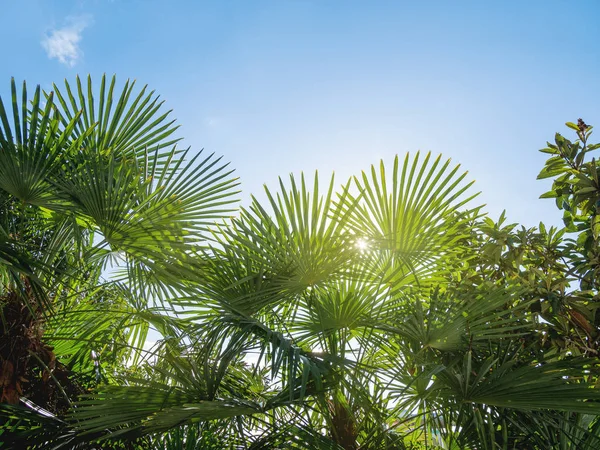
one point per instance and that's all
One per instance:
(387, 314)
(84, 189)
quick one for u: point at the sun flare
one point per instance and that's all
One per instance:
(362, 244)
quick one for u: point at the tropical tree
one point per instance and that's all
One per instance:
(387, 313)
(85, 190)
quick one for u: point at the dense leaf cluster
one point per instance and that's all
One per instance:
(389, 312)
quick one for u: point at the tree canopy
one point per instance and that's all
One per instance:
(388, 311)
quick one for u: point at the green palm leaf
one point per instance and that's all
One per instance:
(121, 123)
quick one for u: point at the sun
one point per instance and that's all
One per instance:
(362, 244)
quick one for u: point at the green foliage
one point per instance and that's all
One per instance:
(387, 313)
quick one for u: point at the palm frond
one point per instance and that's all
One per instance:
(121, 123)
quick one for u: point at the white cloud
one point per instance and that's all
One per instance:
(63, 43)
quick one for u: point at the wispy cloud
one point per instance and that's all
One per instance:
(63, 43)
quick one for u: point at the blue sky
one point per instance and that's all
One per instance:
(289, 86)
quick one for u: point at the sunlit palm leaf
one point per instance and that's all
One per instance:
(300, 244)
(122, 123)
(415, 219)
